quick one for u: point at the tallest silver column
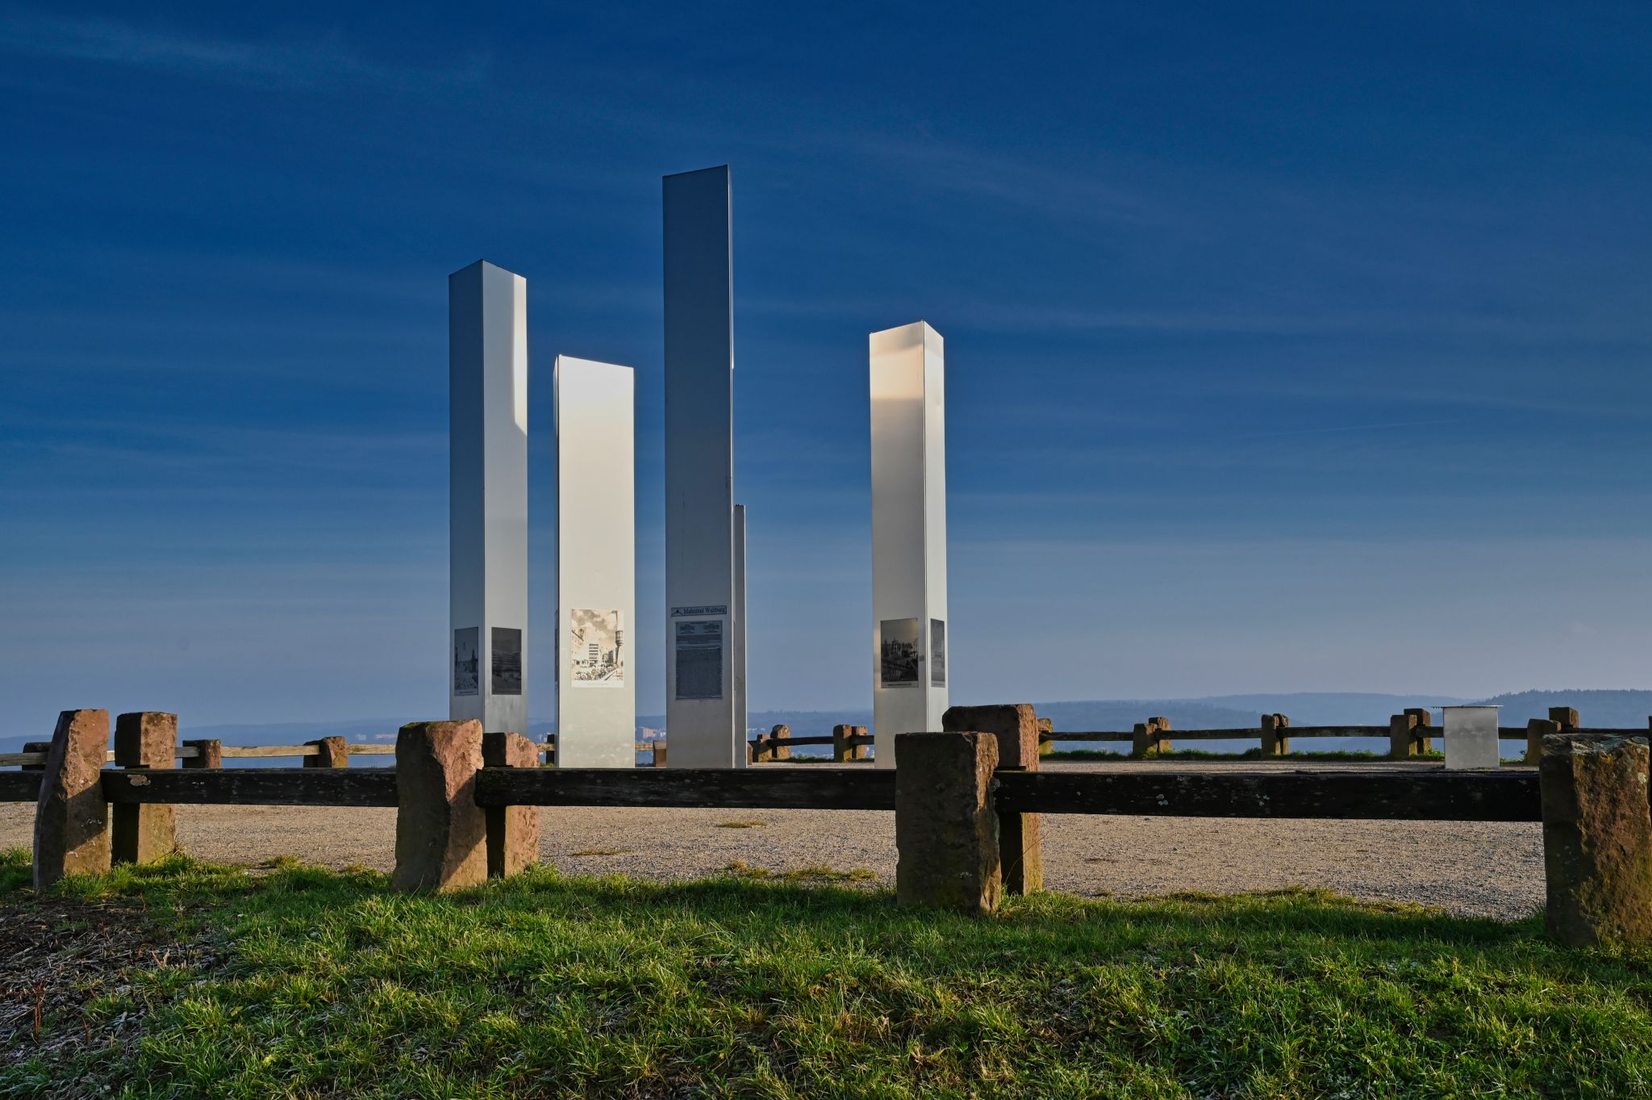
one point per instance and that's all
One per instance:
(705, 697)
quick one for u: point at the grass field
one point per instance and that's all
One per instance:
(294, 981)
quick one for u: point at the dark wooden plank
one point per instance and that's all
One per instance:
(1239, 734)
(816, 787)
(19, 786)
(767, 742)
(255, 787)
(1388, 794)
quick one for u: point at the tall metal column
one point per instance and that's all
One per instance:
(705, 713)
(909, 616)
(596, 586)
(488, 496)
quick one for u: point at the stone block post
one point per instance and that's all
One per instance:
(71, 819)
(1536, 730)
(1565, 716)
(1146, 738)
(780, 743)
(1597, 839)
(659, 753)
(209, 753)
(1401, 744)
(145, 741)
(513, 831)
(331, 752)
(35, 746)
(1424, 721)
(1020, 840)
(946, 832)
(845, 750)
(1275, 741)
(441, 833)
(1045, 745)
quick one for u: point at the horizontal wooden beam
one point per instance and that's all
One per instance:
(19, 786)
(817, 787)
(1373, 793)
(254, 787)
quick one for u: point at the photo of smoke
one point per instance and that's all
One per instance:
(596, 648)
(467, 663)
(899, 649)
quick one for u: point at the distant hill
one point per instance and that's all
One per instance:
(1600, 709)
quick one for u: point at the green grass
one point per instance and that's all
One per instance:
(330, 985)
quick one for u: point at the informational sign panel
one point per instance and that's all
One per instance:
(1471, 738)
(909, 685)
(705, 720)
(596, 710)
(488, 495)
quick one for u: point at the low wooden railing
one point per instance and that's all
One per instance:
(965, 826)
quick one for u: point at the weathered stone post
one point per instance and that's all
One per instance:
(844, 749)
(331, 752)
(209, 753)
(513, 831)
(1020, 840)
(1566, 717)
(441, 833)
(946, 832)
(659, 753)
(1423, 721)
(145, 741)
(1045, 744)
(1597, 839)
(1536, 730)
(1275, 741)
(779, 743)
(1401, 744)
(71, 819)
(1146, 739)
(35, 746)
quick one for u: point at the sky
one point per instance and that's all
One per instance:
(1288, 347)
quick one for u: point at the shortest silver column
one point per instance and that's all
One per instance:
(1471, 737)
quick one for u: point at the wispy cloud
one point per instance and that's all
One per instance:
(325, 60)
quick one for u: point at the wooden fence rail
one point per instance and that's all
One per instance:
(966, 804)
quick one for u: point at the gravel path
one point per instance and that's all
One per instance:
(1473, 868)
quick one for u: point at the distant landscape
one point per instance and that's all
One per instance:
(1598, 708)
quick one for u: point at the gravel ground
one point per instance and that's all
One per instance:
(1490, 869)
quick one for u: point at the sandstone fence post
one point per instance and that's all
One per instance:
(1275, 741)
(331, 752)
(844, 748)
(71, 819)
(946, 833)
(209, 753)
(144, 741)
(441, 833)
(1146, 738)
(1020, 838)
(1401, 744)
(1597, 839)
(513, 831)
(1566, 717)
(659, 753)
(1046, 745)
(1420, 729)
(1536, 730)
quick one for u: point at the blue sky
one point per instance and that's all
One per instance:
(1288, 348)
